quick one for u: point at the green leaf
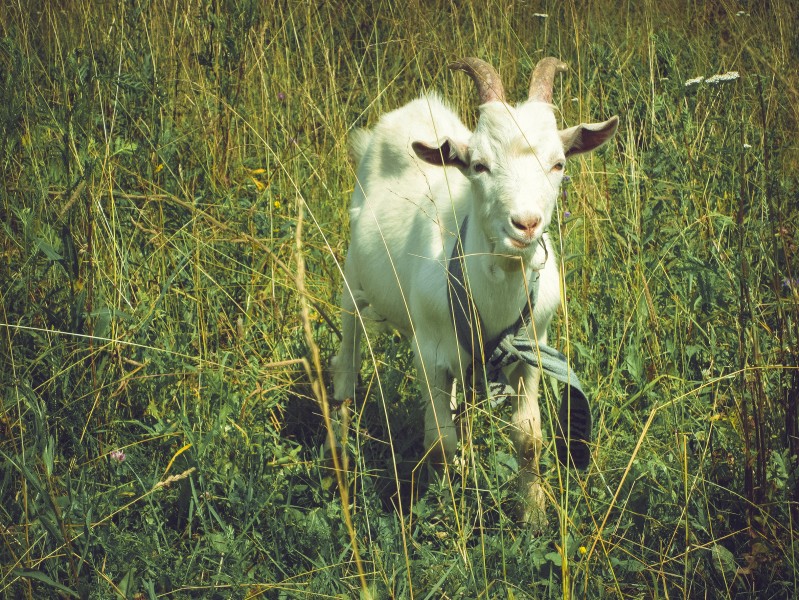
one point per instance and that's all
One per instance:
(723, 560)
(71, 263)
(103, 322)
(48, 250)
(47, 580)
(126, 586)
(555, 558)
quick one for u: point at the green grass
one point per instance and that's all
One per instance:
(160, 299)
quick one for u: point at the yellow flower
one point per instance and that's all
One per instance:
(582, 550)
(277, 203)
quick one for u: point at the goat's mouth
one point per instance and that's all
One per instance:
(518, 242)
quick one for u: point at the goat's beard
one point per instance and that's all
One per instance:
(509, 262)
(509, 258)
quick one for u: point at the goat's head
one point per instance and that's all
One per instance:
(515, 158)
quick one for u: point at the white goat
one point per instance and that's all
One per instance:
(421, 172)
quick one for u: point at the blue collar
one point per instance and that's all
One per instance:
(573, 432)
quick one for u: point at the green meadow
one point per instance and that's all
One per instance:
(174, 182)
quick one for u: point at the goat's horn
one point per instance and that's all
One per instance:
(489, 85)
(544, 78)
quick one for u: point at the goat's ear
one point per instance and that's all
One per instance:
(587, 136)
(448, 154)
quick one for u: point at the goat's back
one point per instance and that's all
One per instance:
(384, 153)
(402, 207)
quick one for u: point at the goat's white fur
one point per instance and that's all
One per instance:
(404, 219)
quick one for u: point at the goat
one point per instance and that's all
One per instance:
(420, 174)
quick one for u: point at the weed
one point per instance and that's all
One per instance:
(162, 364)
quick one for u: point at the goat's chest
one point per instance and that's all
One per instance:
(500, 306)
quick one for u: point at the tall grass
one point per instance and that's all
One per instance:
(160, 424)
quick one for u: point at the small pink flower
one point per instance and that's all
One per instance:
(281, 96)
(117, 455)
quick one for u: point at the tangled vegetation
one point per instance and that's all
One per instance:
(173, 205)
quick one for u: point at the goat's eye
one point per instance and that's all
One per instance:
(558, 166)
(479, 167)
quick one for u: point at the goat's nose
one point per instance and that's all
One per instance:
(526, 224)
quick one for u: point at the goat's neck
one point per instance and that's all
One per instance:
(499, 284)
(487, 267)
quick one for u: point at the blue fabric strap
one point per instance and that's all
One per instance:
(511, 346)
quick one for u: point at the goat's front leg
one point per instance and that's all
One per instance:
(528, 440)
(440, 435)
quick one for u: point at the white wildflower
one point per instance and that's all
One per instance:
(723, 78)
(747, 146)
(694, 81)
